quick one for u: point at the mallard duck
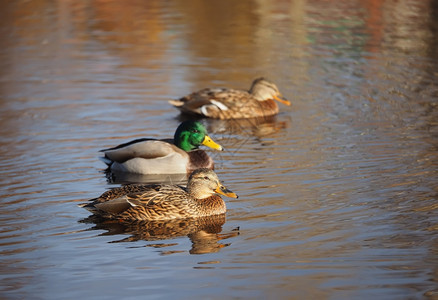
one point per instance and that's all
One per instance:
(178, 156)
(221, 103)
(164, 202)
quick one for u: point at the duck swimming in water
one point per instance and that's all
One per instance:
(164, 202)
(222, 103)
(169, 156)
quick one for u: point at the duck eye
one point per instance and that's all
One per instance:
(195, 130)
(206, 178)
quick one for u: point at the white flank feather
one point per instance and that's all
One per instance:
(218, 104)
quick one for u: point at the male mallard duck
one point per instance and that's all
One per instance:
(164, 202)
(221, 103)
(178, 156)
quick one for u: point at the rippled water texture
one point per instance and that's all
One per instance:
(338, 193)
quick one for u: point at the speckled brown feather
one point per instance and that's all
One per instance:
(222, 103)
(240, 104)
(155, 202)
(161, 202)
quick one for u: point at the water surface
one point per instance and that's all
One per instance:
(338, 193)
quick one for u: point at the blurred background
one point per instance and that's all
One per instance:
(338, 193)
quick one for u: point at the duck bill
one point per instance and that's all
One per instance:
(281, 99)
(226, 192)
(210, 143)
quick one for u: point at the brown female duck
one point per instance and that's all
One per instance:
(164, 202)
(221, 103)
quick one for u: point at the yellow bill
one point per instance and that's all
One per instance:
(210, 143)
(281, 99)
(226, 192)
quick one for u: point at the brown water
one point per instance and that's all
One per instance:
(338, 193)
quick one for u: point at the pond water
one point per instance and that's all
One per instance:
(338, 193)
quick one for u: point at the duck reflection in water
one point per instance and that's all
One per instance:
(256, 127)
(204, 233)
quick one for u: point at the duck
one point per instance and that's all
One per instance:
(157, 202)
(179, 155)
(222, 103)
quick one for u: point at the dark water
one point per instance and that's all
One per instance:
(338, 193)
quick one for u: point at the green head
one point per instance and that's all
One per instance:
(190, 135)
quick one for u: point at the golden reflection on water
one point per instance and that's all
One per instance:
(338, 191)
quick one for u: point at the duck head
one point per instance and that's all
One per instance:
(191, 134)
(263, 89)
(204, 183)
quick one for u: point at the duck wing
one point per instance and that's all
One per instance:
(150, 202)
(216, 103)
(114, 198)
(141, 148)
